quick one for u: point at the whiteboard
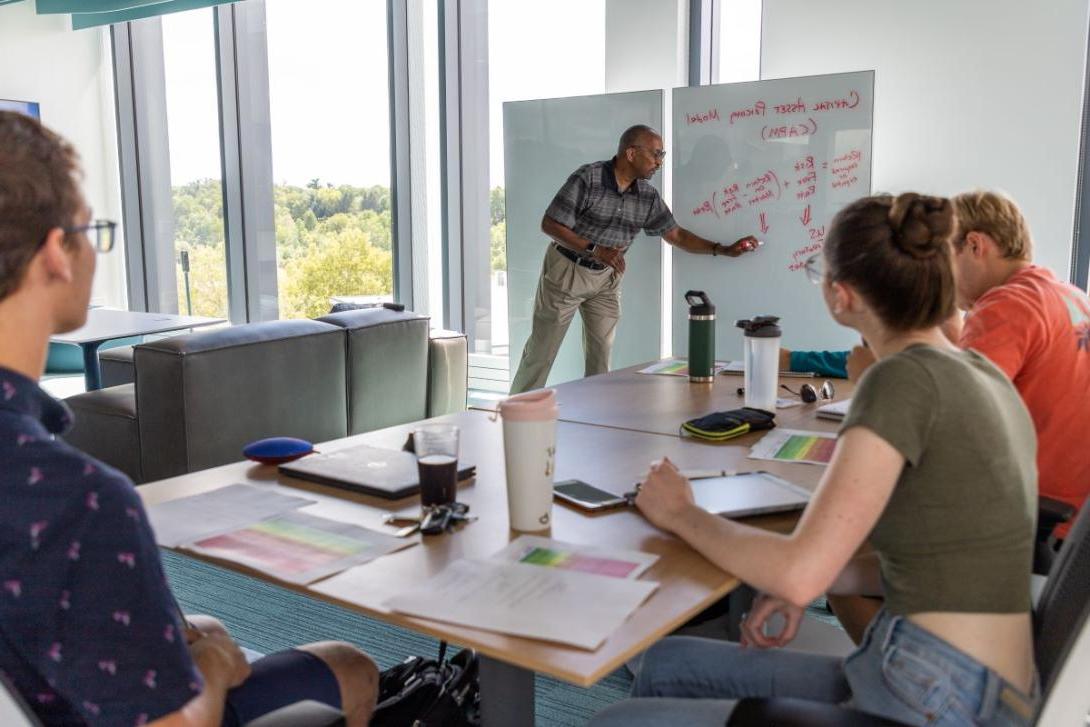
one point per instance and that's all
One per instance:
(775, 159)
(544, 142)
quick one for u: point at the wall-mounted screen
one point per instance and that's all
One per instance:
(30, 108)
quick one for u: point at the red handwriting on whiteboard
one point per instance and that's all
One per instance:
(844, 168)
(798, 106)
(702, 117)
(802, 254)
(762, 188)
(757, 109)
(790, 131)
(832, 104)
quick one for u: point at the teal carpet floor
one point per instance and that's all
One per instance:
(266, 618)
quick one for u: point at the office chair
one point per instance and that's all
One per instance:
(1061, 645)
(14, 712)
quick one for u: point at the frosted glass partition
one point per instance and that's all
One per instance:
(776, 159)
(544, 142)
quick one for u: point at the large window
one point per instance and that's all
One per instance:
(193, 122)
(739, 40)
(527, 60)
(329, 105)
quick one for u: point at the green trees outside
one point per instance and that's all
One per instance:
(330, 240)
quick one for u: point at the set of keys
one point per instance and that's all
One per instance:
(434, 519)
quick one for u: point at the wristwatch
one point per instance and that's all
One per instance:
(589, 250)
(715, 249)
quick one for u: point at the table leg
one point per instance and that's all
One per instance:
(92, 370)
(507, 694)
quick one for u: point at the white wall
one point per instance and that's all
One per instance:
(973, 93)
(646, 44)
(70, 74)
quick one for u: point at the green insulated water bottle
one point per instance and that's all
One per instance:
(701, 336)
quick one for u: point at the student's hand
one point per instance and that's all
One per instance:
(764, 607)
(785, 359)
(220, 660)
(611, 256)
(664, 495)
(746, 244)
(859, 360)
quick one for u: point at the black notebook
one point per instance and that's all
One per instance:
(387, 473)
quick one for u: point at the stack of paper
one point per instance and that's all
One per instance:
(538, 588)
(794, 445)
(836, 411)
(259, 528)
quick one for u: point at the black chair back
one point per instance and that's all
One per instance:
(1065, 596)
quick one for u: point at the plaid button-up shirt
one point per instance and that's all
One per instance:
(591, 205)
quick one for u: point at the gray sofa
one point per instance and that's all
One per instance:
(186, 403)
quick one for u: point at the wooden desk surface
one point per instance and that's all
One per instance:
(625, 399)
(613, 459)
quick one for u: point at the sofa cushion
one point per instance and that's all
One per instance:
(448, 372)
(116, 366)
(387, 354)
(104, 426)
(204, 396)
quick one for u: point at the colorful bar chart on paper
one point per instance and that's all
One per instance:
(577, 562)
(297, 547)
(549, 553)
(790, 445)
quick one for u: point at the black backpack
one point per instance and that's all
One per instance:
(422, 692)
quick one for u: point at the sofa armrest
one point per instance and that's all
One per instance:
(117, 366)
(105, 426)
(448, 372)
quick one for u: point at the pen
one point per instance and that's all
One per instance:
(630, 497)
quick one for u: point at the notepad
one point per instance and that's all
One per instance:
(836, 411)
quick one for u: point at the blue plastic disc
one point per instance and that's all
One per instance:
(277, 450)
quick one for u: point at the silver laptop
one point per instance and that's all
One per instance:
(748, 493)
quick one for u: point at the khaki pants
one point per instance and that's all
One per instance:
(563, 288)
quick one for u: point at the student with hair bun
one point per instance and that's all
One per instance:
(934, 465)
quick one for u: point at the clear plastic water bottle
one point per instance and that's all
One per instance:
(761, 359)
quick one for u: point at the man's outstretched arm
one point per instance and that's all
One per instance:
(694, 243)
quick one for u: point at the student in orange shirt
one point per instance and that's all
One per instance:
(1033, 327)
(1036, 329)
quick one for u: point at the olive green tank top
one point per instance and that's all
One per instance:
(957, 533)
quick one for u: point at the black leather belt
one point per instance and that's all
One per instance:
(577, 259)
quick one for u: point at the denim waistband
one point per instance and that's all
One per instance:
(973, 679)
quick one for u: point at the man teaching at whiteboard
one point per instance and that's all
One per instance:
(592, 221)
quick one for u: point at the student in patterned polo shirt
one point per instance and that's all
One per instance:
(591, 222)
(89, 632)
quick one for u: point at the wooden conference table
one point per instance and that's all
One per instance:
(611, 452)
(107, 324)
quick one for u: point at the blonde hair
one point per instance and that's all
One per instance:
(996, 215)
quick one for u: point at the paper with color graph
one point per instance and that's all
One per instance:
(615, 563)
(218, 511)
(680, 367)
(564, 606)
(794, 445)
(299, 548)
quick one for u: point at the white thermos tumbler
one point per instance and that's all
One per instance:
(529, 450)
(761, 359)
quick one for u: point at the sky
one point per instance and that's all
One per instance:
(328, 79)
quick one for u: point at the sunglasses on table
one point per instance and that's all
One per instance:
(809, 393)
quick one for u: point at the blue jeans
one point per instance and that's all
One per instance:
(900, 671)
